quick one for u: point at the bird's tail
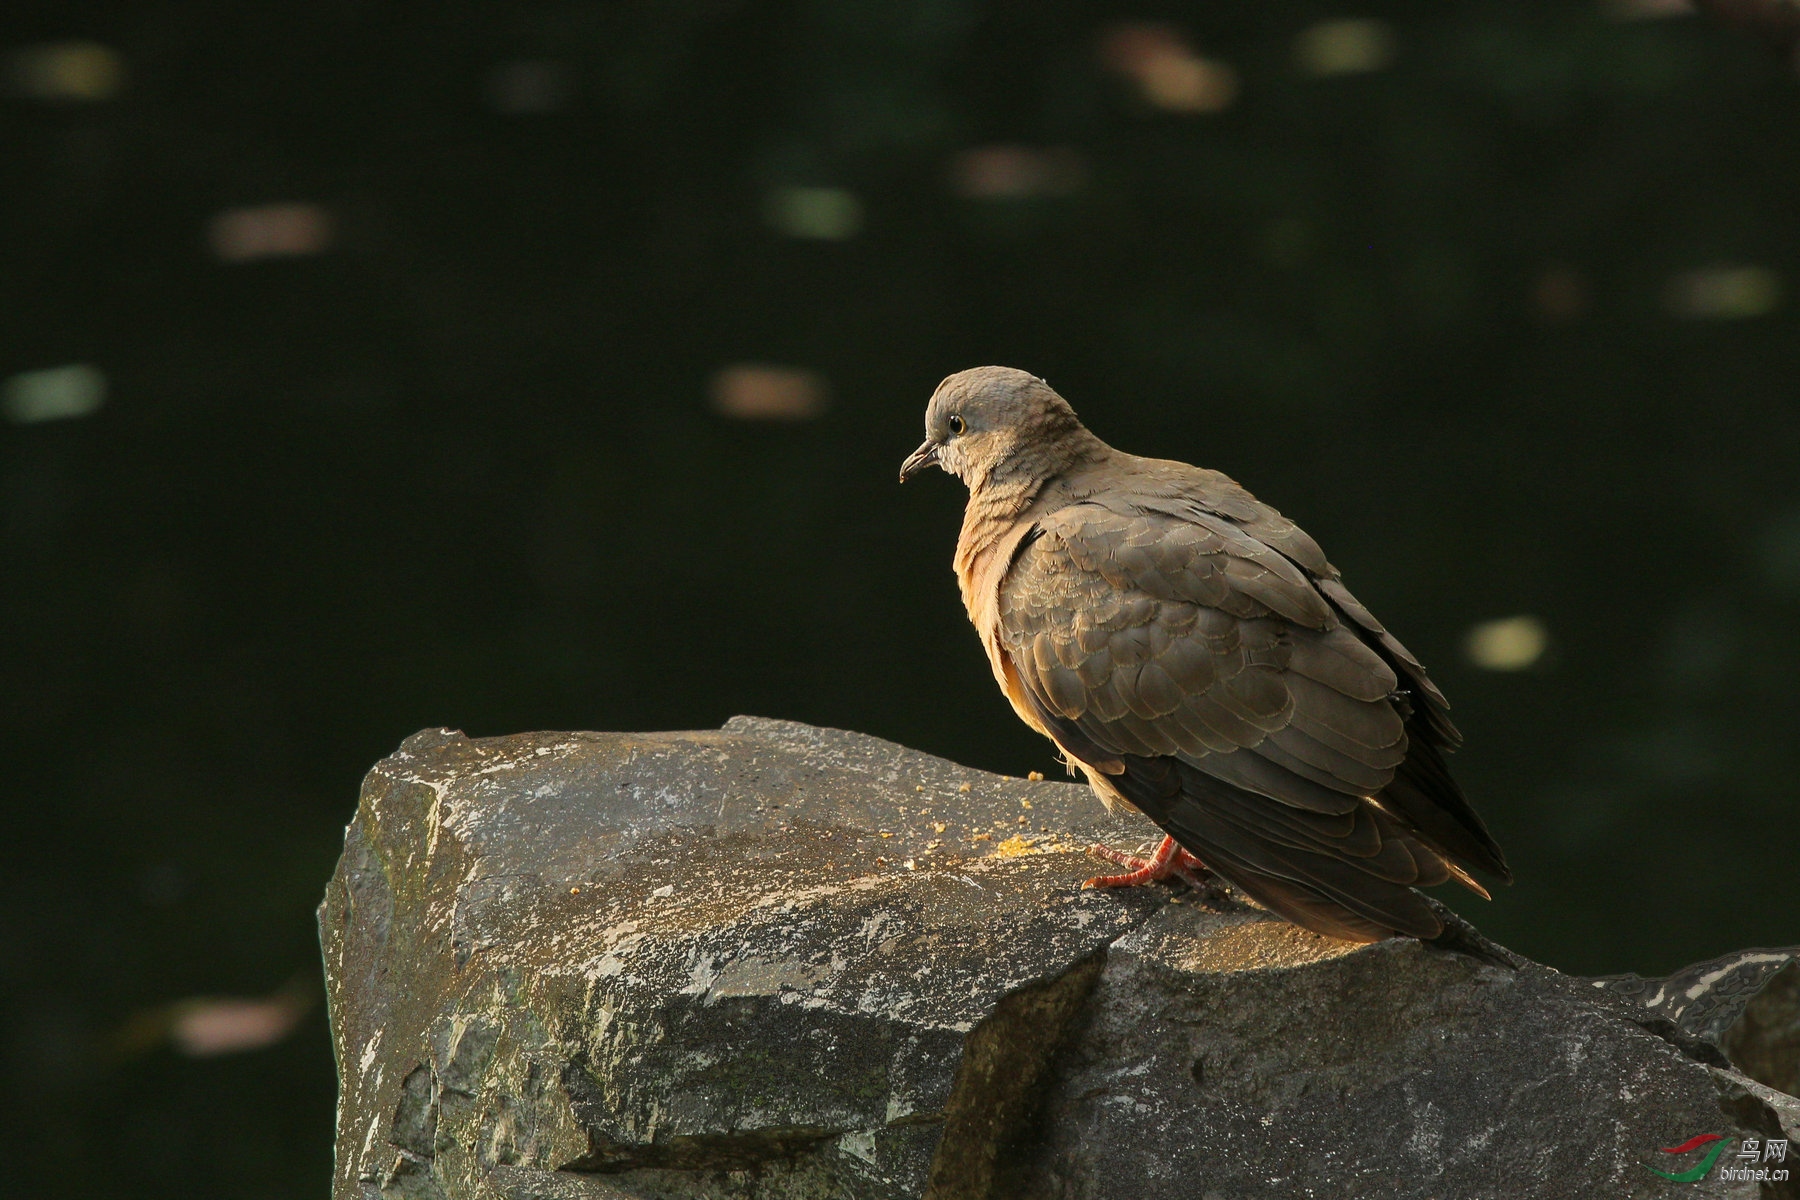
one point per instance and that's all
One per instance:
(1346, 875)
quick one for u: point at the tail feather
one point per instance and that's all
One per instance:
(1220, 823)
(1424, 796)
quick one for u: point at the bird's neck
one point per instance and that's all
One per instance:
(992, 524)
(993, 509)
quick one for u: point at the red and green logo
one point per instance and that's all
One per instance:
(1698, 1171)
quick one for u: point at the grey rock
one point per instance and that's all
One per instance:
(1239, 1057)
(1763, 1038)
(774, 961)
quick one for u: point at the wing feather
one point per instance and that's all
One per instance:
(1227, 684)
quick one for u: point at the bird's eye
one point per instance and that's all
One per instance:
(956, 425)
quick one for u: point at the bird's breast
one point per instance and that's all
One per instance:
(983, 554)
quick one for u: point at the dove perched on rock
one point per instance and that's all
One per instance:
(1194, 653)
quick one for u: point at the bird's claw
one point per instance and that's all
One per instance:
(1169, 861)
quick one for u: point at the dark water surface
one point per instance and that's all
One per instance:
(410, 320)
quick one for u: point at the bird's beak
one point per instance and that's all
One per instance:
(918, 460)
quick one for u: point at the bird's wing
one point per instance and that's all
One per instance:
(1423, 794)
(1155, 635)
(1210, 677)
(1196, 493)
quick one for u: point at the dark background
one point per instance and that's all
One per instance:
(1505, 320)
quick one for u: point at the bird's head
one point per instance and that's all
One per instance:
(996, 422)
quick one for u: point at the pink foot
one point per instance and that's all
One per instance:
(1169, 860)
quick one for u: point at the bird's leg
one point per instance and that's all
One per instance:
(1169, 860)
